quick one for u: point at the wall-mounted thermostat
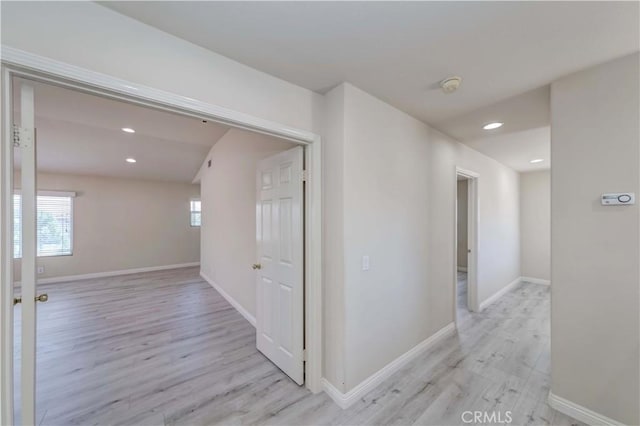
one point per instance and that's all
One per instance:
(618, 199)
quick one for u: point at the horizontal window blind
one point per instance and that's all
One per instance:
(54, 225)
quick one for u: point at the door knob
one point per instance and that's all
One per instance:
(42, 298)
(256, 266)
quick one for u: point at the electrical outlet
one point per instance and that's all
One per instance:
(40, 270)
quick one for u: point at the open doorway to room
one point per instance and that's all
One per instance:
(462, 252)
(465, 274)
(144, 239)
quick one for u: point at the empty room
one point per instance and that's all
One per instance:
(125, 306)
(320, 213)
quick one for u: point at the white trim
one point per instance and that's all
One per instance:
(345, 400)
(334, 393)
(313, 265)
(96, 80)
(28, 238)
(105, 274)
(498, 294)
(6, 254)
(579, 412)
(28, 65)
(536, 280)
(47, 193)
(462, 269)
(233, 302)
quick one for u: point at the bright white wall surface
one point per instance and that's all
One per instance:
(595, 314)
(399, 194)
(122, 47)
(462, 210)
(228, 194)
(122, 224)
(535, 224)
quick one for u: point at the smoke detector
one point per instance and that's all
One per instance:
(451, 84)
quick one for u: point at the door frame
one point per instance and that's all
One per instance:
(473, 220)
(18, 63)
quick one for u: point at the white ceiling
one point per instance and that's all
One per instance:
(522, 112)
(506, 52)
(524, 136)
(399, 51)
(518, 148)
(80, 133)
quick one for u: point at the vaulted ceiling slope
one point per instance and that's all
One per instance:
(399, 51)
(80, 133)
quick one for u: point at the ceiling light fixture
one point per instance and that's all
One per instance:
(491, 126)
(131, 160)
(128, 130)
(537, 160)
(451, 84)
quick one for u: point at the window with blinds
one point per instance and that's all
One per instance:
(196, 212)
(54, 225)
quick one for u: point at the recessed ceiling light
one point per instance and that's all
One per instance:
(491, 126)
(128, 130)
(131, 160)
(537, 160)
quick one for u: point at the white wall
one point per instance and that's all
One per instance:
(122, 224)
(595, 314)
(535, 224)
(399, 194)
(228, 194)
(94, 37)
(499, 228)
(333, 232)
(462, 209)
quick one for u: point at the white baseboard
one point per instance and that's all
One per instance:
(510, 287)
(233, 302)
(344, 400)
(536, 280)
(462, 268)
(111, 273)
(579, 412)
(497, 295)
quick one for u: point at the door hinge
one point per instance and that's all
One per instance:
(22, 137)
(304, 176)
(304, 355)
(16, 136)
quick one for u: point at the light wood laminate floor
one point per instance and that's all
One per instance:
(165, 348)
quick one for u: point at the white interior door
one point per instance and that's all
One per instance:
(280, 284)
(27, 147)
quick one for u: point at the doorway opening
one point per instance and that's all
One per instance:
(466, 245)
(309, 257)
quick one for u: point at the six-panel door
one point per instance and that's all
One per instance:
(279, 268)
